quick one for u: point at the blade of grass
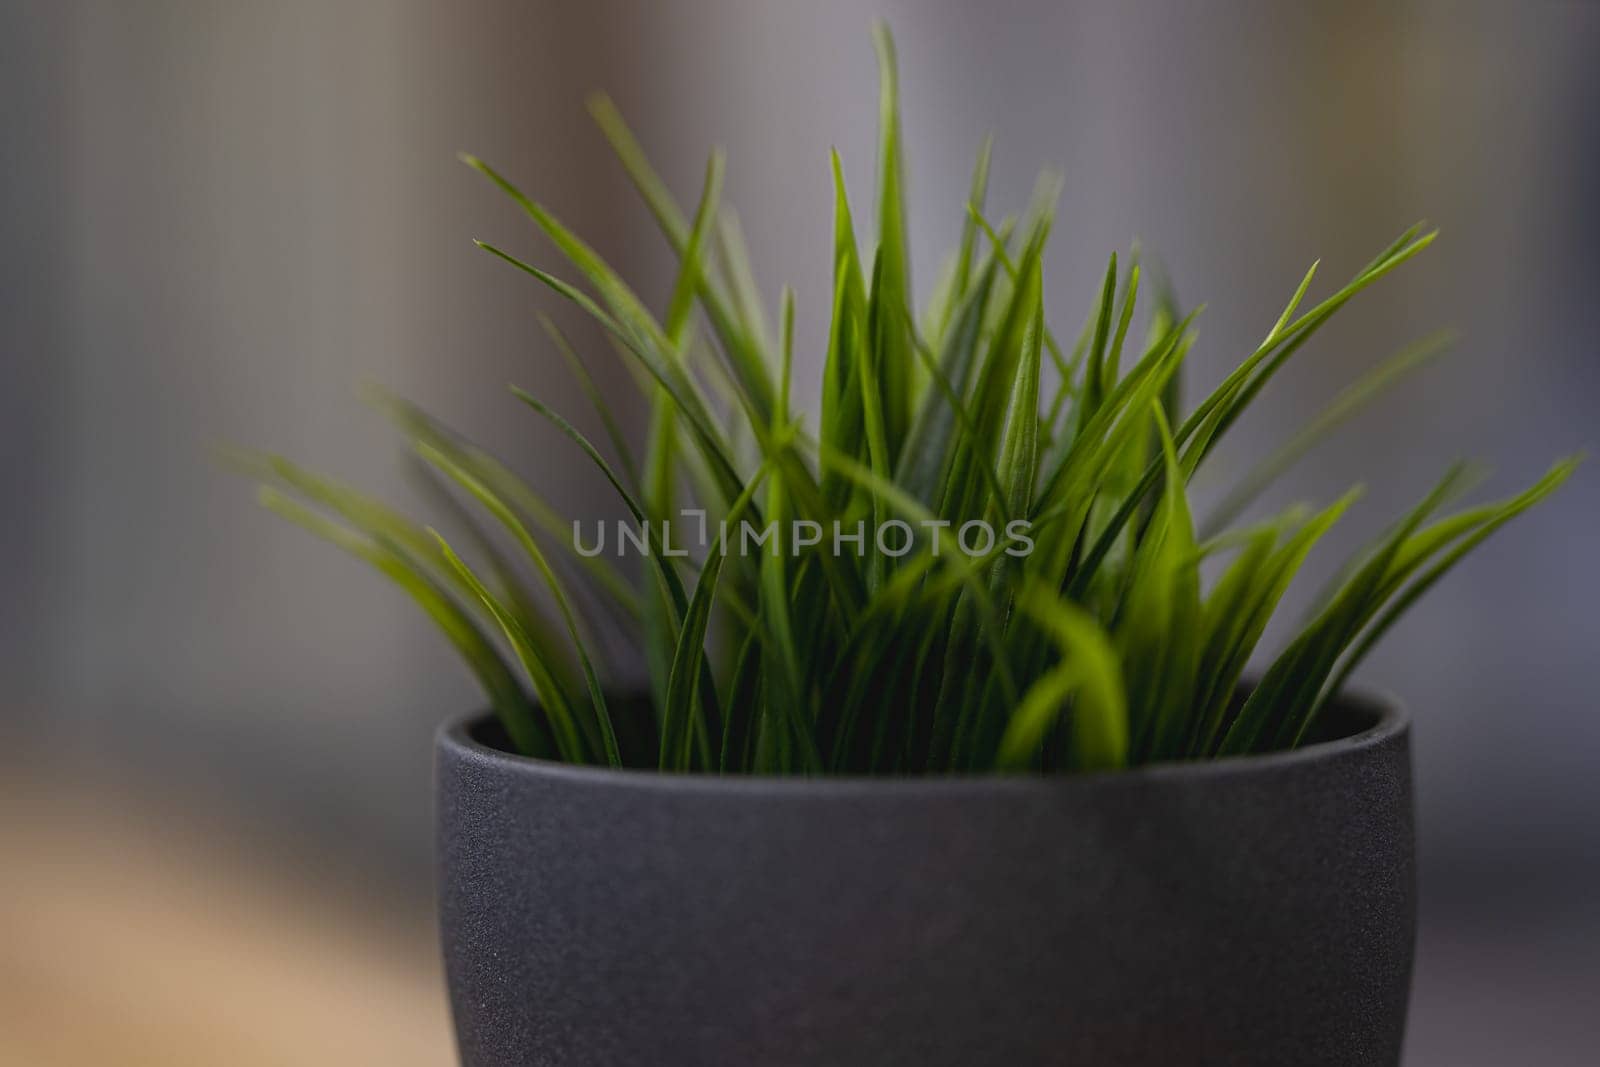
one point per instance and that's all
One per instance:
(599, 714)
(1089, 672)
(571, 743)
(591, 393)
(688, 662)
(1350, 401)
(1399, 604)
(521, 719)
(889, 301)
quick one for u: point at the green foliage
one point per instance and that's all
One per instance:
(1081, 637)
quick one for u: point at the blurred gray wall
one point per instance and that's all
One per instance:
(219, 218)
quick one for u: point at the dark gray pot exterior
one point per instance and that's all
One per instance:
(1249, 911)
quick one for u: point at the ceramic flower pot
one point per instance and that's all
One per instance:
(1245, 911)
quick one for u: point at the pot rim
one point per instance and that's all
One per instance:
(1388, 719)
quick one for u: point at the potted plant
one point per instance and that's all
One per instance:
(946, 755)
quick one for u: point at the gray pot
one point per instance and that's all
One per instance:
(1244, 911)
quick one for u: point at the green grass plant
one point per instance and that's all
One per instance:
(1100, 648)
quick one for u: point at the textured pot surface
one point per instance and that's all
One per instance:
(1250, 911)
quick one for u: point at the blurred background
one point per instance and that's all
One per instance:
(218, 219)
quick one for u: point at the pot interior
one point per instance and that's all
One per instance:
(1351, 715)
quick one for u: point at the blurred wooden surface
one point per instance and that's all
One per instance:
(128, 938)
